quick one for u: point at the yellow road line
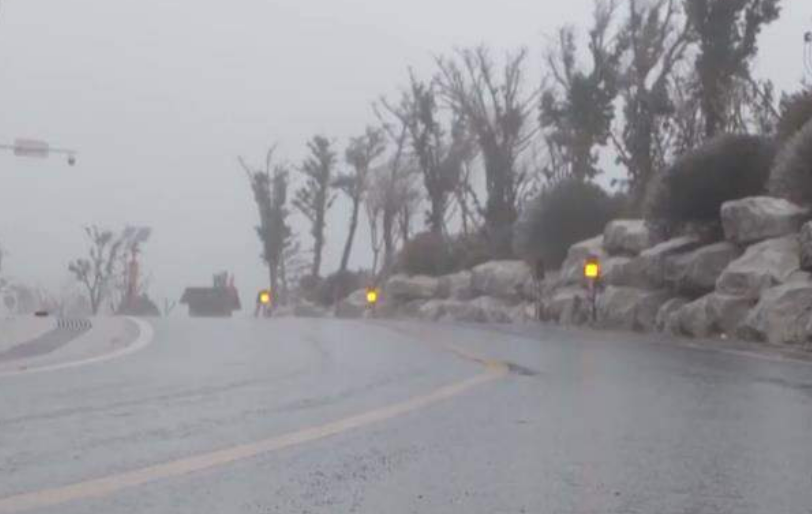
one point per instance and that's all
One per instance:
(101, 487)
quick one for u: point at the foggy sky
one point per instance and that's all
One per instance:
(160, 97)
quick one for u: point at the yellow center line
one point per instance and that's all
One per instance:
(108, 485)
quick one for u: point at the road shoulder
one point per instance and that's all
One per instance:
(107, 338)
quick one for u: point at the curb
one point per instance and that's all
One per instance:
(144, 339)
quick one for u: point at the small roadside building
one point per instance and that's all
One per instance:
(218, 301)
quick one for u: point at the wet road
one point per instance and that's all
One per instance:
(337, 417)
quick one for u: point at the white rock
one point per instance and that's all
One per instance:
(763, 265)
(758, 218)
(714, 314)
(728, 312)
(805, 241)
(695, 319)
(568, 306)
(456, 286)
(353, 306)
(696, 272)
(402, 288)
(629, 308)
(308, 310)
(432, 310)
(649, 267)
(666, 321)
(494, 310)
(782, 316)
(627, 237)
(501, 279)
(617, 271)
(572, 270)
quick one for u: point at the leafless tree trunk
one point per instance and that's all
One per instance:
(497, 112)
(95, 272)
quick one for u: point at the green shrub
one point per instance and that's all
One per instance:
(425, 254)
(694, 188)
(791, 177)
(309, 288)
(338, 286)
(468, 251)
(796, 111)
(569, 212)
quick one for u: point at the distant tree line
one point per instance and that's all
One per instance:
(475, 148)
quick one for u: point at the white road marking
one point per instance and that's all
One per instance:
(145, 337)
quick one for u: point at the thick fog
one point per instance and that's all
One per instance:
(161, 97)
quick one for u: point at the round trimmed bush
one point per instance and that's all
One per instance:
(426, 253)
(791, 177)
(694, 188)
(338, 286)
(796, 112)
(567, 213)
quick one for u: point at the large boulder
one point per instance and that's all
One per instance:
(617, 271)
(484, 309)
(695, 273)
(754, 219)
(404, 310)
(763, 265)
(568, 306)
(572, 270)
(403, 289)
(494, 310)
(805, 242)
(501, 279)
(306, 309)
(627, 237)
(353, 306)
(728, 312)
(782, 316)
(432, 310)
(456, 286)
(667, 320)
(454, 310)
(649, 267)
(713, 314)
(629, 308)
(695, 319)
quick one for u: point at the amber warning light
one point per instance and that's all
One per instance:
(592, 269)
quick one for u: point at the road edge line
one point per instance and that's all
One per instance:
(145, 337)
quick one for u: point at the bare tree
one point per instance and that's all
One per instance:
(393, 186)
(657, 36)
(439, 152)
(96, 271)
(270, 188)
(577, 103)
(314, 199)
(727, 33)
(361, 153)
(497, 110)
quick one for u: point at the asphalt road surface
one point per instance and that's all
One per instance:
(322, 416)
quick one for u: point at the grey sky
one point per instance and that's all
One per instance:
(161, 96)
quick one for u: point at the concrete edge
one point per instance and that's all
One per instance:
(144, 339)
